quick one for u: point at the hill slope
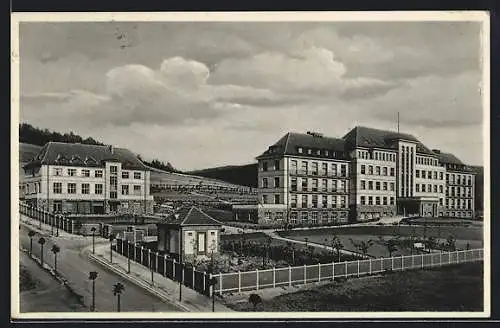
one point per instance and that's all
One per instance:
(245, 175)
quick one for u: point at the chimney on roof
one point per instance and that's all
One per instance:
(315, 134)
(437, 151)
(111, 149)
(176, 215)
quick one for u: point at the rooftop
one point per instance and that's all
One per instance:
(189, 216)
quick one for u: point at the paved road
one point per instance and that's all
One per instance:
(74, 266)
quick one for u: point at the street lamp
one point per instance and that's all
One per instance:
(93, 277)
(52, 221)
(41, 241)
(55, 249)
(93, 239)
(212, 283)
(31, 234)
(111, 238)
(128, 256)
(117, 290)
(58, 223)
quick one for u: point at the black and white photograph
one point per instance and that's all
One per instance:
(319, 165)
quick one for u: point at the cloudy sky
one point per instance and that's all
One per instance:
(208, 94)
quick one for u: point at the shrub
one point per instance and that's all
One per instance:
(255, 300)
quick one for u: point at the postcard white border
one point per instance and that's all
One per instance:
(393, 16)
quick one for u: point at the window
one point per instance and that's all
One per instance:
(363, 184)
(370, 185)
(293, 218)
(276, 199)
(370, 200)
(377, 185)
(392, 171)
(304, 168)
(334, 186)
(304, 184)
(440, 175)
(417, 187)
(377, 200)
(314, 184)
(264, 199)
(315, 201)
(334, 169)
(314, 168)
(417, 173)
(309, 151)
(304, 201)
(264, 183)
(124, 175)
(293, 167)
(440, 202)
(363, 200)
(324, 185)
(267, 215)
(71, 172)
(377, 170)
(300, 150)
(293, 200)
(137, 189)
(113, 169)
(429, 175)
(343, 201)
(324, 201)
(264, 166)
(392, 186)
(370, 169)
(57, 188)
(363, 169)
(343, 186)
(324, 168)
(86, 173)
(384, 170)
(304, 216)
(435, 188)
(85, 188)
(343, 170)
(276, 182)
(98, 188)
(384, 186)
(277, 165)
(98, 173)
(334, 201)
(429, 188)
(137, 175)
(435, 175)
(391, 201)
(441, 189)
(423, 174)
(113, 195)
(294, 184)
(58, 171)
(125, 190)
(384, 200)
(71, 188)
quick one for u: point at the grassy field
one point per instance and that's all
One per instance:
(453, 288)
(463, 235)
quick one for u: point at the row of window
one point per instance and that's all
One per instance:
(324, 169)
(377, 155)
(315, 185)
(465, 204)
(72, 172)
(459, 179)
(377, 185)
(427, 161)
(320, 152)
(318, 201)
(458, 214)
(430, 188)
(456, 192)
(316, 217)
(71, 188)
(428, 174)
(384, 200)
(378, 170)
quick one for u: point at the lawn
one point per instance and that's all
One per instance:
(452, 288)
(463, 235)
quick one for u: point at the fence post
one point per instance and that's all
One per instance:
(204, 279)
(402, 263)
(345, 269)
(392, 263)
(422, 260)
(370, 266)
(305, 274)
(274, 277)
(239, 281)
(257, 278)
(432, 260)
(333, 270)
(142, 254)
(358, 268)
(457, 258)
(289, 276)
(210, 286)
(193, 273)
(165, 270)
(319, 272)
(173, 269)
(440, 258)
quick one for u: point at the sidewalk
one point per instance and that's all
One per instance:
(162, 287)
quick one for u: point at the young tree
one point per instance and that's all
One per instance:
(362, 246)
(451, 243)
(391, 244)
(55, 249)
(338, 246)
(118, 288)
(41, 241)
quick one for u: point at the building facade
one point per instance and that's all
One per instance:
(87, 179)
(367, 174)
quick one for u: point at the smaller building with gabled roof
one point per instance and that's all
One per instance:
(189, 232)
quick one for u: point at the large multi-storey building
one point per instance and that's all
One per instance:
(367, 174)
(87, 179)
